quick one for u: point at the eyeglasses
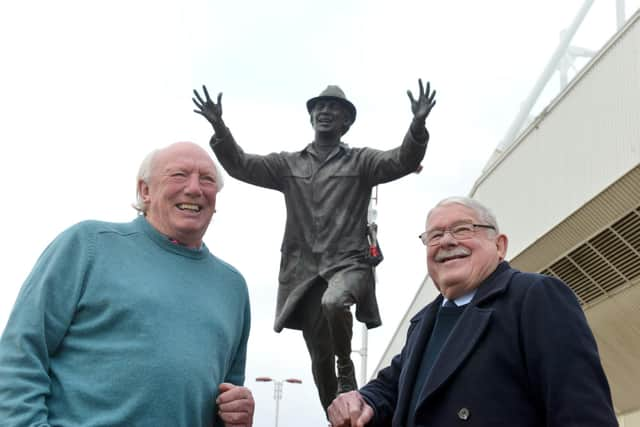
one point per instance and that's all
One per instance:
(458, 231)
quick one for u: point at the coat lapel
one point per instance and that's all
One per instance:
(460, 343)
(467, 332)
(414, 352)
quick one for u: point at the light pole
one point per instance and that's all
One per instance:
(277, 389)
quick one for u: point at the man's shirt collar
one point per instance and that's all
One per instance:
(463, 300)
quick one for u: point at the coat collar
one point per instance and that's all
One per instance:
(340, 148)
(494, 285)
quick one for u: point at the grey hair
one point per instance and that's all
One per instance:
(144, 174)
(484, 213)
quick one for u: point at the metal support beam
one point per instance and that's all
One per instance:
(555, 60)
(620, 12)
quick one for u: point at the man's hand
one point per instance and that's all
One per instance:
(349, 409)
(235, 405)
(209, 110)
(422, 106)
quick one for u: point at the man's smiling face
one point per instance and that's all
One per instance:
(330, 116)
(459, 266)
(181, 193)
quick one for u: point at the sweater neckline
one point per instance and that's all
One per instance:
(167, 244)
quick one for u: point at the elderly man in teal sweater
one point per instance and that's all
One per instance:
(133, 324)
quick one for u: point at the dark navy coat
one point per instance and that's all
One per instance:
(521, 355)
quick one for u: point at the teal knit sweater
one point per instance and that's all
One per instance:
(117, 326)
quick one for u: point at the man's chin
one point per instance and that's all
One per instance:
(328, 131)
(191, 230)
(452, 286)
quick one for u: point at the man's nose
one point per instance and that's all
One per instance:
(193, 185)
(447, 239)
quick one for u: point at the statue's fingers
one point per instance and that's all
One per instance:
(195, 92)
(421, 89)
(410, 95)
(206, 93)
(432, 97)
(220, 103)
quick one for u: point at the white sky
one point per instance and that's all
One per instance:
(87, 88)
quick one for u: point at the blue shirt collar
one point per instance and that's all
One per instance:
(463, 300)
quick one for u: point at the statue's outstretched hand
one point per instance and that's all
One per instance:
(422, 106)
(208, 109)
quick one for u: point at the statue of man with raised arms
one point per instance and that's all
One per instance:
(325, 266)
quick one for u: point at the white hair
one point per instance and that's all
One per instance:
(484, 213)
(144, 174)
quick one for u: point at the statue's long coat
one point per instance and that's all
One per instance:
(327, 203)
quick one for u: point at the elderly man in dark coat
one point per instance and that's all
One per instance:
(327, 188)
(497, 347)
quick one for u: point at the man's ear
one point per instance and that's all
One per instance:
(502, 242)
(143, 190)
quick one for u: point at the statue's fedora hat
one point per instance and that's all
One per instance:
(333, 92)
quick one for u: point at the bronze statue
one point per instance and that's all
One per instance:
(325, 266)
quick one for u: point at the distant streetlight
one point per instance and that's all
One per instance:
(277, 389)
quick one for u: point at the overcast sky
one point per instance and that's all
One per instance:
(87, 88)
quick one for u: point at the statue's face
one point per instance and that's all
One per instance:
(330, 116)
